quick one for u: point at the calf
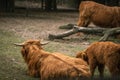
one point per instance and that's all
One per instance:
(100, 54)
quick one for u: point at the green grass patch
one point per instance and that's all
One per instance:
(64, 48)
(12, 66)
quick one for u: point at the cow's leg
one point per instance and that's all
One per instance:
(113, 64)
(114, 70)
(83, 22)
(101, 70)
(84, 18)
(93, 65)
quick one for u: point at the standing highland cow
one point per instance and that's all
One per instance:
(100, 54)
(98, 14)
(52, 66)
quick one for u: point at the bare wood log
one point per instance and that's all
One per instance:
(96, 31)
(110, 32)
(91, 30)
(64, 34)
(76, 29)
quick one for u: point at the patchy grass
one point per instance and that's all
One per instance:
(63, 48)
(12, 66)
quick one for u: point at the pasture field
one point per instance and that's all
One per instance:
(37, 26)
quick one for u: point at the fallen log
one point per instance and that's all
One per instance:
(61, 35)
(110, 32)
(105, 32)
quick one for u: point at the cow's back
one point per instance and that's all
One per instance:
(102, 51)
(116, 16)
(57, 64)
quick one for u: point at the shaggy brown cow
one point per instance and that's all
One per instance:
(98, 14)
(52, 66)
(100, 54)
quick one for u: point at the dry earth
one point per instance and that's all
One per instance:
(40, 25)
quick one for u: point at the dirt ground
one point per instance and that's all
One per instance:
(40, 25)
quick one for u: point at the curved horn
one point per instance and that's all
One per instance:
(19, 44)
(44, 42)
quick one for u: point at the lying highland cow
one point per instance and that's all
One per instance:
(98, 14)
(52, 66)
(100, 54)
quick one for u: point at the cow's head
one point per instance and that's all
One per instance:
(29, 47)
(82, 55)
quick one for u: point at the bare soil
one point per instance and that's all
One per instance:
(39, 25)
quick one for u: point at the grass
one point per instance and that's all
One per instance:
(12, 66)
(63, 48)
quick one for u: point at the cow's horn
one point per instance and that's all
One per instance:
(44, 42)
(18, 44)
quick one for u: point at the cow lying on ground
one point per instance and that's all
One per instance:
(52, 66)
(98, 14)
(100, 54)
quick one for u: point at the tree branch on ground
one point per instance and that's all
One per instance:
(105, 32)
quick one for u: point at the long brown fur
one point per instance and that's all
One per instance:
(98, 14)
(52, 66)
(100, 54)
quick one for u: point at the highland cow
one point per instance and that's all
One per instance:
(52, 66)
(98, 14)
(100, 54)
